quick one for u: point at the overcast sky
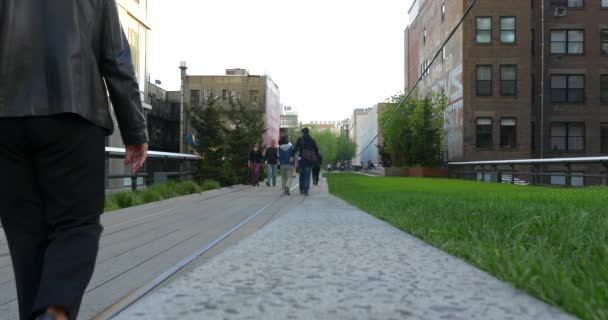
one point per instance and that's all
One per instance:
(327, 56)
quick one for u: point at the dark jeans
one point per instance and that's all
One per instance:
(51, 197)
(305, 173)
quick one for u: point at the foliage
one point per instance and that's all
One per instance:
(549, 242)
(415, 133)
(210, 185)
(226, 138)
(157, 192)
(327, 142)
(347, 149)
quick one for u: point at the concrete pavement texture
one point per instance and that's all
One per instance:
(325, 259)
(140, 243)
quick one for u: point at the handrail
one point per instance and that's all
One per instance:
(120, 152)
(533, 161)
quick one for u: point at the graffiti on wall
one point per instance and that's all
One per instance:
(451, 85)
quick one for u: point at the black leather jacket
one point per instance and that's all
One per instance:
(55, 56)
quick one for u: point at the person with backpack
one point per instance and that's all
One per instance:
(316, 170)
(272, 158)
(255, 163)
(308, 153)
(287, 163)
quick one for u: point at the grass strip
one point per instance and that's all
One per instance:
(157, 192)
(549, 242)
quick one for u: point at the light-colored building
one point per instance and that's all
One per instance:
(370, 138)
(134, 20)
(357, 131)
(258, 92)
(289, 118)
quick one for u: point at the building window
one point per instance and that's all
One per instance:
(507, 29)
(508, 80)
(484, 132)
(443, 54)
(605, 4)
(195, 97)
(134, 46)
(484, 80)
(484, 30)
(604, 40)
(568, 136)
(604, 88)
(604, 137)
(567, 88)
(569, 3)
(567, 42)
(508, 133)
(424, 37)
(443, 11)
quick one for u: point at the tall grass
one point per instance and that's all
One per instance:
(157, 192)
(552, 243)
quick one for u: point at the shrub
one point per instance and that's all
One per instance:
(186, 188)
(210, 185)
(110, 204)
(150, 195)
(127, 199)
(165, 190)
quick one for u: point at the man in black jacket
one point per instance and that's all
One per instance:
(58, 60)
(308, 152)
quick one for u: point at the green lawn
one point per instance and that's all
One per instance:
(552, 243)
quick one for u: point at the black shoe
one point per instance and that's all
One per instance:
(267, 183)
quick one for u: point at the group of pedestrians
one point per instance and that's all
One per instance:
(304, 158)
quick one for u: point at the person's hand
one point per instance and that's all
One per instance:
(135, 156)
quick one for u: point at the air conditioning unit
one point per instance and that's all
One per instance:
(560, 12)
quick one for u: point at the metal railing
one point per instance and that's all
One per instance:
(569, 172)
(157, 167)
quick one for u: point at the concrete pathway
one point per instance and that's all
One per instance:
(138, 244)
(325, 259)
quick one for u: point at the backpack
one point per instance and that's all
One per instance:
(309, 156)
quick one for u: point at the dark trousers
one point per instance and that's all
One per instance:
(305, 173)
(51, 197)
(316, 170)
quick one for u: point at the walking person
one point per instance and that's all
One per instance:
(316, 170)
(255, 164)
(272, 158)
(308, 153)
(58, 62)
(287, 164)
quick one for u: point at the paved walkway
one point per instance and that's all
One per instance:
(325, 259)
(138, 244)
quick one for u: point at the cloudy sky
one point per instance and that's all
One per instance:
(327, 56)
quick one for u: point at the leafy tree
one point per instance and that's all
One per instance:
(327, 142)
(243, 128)
(206, 120)
(415, 134)
(347, 149)
(226, 137)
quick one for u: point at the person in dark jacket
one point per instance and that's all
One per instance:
(316, 170)
(308, 154)
(272, 159)
(58, 62)
(287, 164)
(255, 163)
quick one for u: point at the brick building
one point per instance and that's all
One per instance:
(254, 91)
(491, 72)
